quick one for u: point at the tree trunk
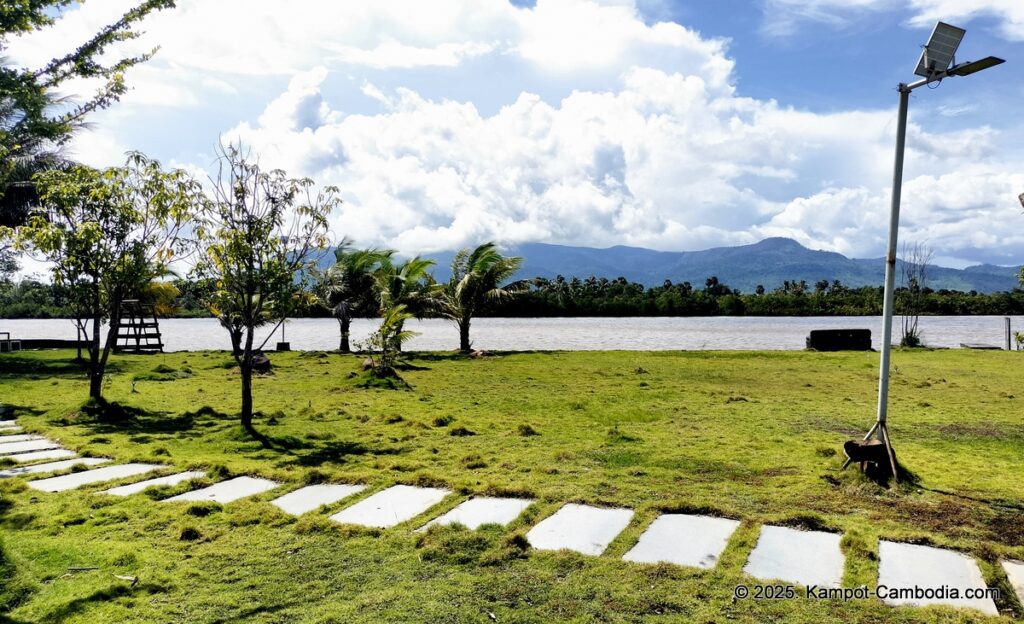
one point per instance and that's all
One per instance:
(245, 366)
(95, 374)
(346, 324)
(464, 344)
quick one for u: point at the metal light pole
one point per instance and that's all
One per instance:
(936, 63)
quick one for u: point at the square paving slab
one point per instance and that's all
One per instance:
(7, 423)
(392, 506)
(98, 475)
(1015, 572)
(477, 512)
(58, 453)
(10, 448)
(314, 497)
(53, 466)
(912, 566)
(9, 430)
(804, 557)
(174, 479)
(580, 528)
(683, 540)
(227, 491)
(21, 437)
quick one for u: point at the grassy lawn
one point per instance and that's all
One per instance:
(754, 436)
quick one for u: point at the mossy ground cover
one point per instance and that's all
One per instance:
(748, 435)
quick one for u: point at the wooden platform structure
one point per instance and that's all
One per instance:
(138, 330)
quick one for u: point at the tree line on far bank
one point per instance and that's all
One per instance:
(573, 297)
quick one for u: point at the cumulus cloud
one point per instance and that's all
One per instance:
(664, 153)
(665, 161)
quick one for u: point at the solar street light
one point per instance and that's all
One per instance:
(936, 63)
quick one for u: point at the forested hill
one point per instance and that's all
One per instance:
(768, 263)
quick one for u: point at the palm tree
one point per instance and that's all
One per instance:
(477, 276)
(348, 286)
(409, 285)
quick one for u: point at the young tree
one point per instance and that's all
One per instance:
(408, 284)
(477, 277)
(914, 267)
(107, 235)
(258, 236)
(348, 288)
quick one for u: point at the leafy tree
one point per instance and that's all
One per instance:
(34, 122)
(258, 236)
(107, 235)
(408, 284)
(347, 287)
(477, 276)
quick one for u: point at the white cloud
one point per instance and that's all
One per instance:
(1009, 12)
(665, 161)
(783, 17)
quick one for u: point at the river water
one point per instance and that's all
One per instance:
(574, 334)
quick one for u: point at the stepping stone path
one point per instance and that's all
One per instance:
(477, 512)
(392, 506)
(98, 475)
(11, 448)
(313, 497)
(53, 466)
(910, 565)
(580, 528)
(22, 437)
(57, 453)
(684, 540)
(174, 479)
(804, 557)
(227, 491)
(1015, 572)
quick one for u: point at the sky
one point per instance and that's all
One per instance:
(673, 125)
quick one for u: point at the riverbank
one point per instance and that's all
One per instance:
(566, 334)
(752, 436)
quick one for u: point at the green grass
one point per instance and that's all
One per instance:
(749, 435)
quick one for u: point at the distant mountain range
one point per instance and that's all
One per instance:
(768, 263)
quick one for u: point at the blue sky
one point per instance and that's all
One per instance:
(672, 125)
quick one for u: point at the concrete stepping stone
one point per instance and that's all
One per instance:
(9, 430)
(1015, 572)
(11, 448)
(57, 453)
(21, 437)
(912, 566)
(7, 423)
(227, 491)
(804, 557)
(98, 475)
(53, 466)
(684, 540)
(313, 497)
(477, 512)
(580, 528)
(174, 479)
(392, 506)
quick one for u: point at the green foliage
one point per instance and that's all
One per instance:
(258, 234)
(384, 346)
(348, 287)
(107, 234)
(34, 121)
(477, 277)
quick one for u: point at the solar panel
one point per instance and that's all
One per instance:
(938, 54)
